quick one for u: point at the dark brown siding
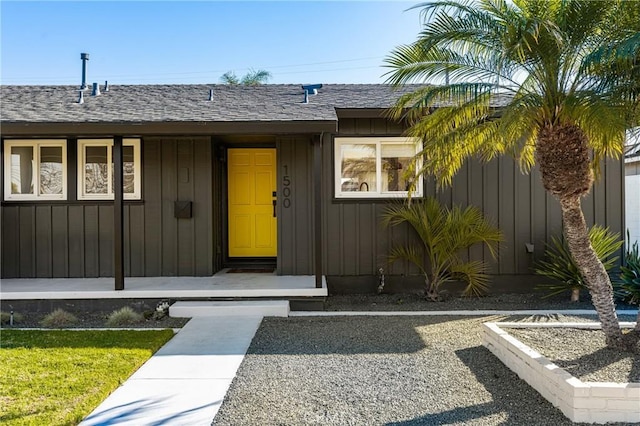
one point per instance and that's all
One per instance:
(356, 244)
(76, 239)
(218, 230)
(295, 213)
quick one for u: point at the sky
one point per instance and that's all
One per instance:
(163, 42)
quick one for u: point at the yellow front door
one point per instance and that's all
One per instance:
(252, 184)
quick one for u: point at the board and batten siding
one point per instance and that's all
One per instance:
(75, 239)
(355, 243)
(295, 206)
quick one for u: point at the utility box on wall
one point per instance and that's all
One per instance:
(183, 209)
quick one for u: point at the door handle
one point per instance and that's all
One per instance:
(274, 208)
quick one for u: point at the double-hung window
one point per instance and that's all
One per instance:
(375, 167)
(35, 169)
(96, 171)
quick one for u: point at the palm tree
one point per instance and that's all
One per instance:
(252, 78)
(556, 82)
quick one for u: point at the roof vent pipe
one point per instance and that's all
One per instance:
(210, 95)
(84, 57)
(96, 90)
(81, 97)
(106, 86)
(312, 88)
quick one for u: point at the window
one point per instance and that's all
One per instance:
(95, 169)
(374, 167)
(35, 169)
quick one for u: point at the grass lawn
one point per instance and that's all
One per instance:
(58, 377)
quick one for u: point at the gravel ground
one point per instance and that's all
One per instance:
(379, 371)
(582, 353)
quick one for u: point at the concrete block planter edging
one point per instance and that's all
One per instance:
(587, 402)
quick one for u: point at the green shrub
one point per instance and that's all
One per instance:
(560, 267)
(59, 318)
(5, 318)
(445, 234)
(630, 275)
(124, 316)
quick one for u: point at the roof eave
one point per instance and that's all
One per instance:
(362, 112)
(13, 129)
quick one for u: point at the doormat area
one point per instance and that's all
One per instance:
(250, 271)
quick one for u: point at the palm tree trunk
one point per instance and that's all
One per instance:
(596, 277)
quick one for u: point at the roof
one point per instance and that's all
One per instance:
(188, 103)
(632, 146)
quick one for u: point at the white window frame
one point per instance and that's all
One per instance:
(36, 144)
(378, 142)
(137, 182)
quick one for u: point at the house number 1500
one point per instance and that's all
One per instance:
(286, 188)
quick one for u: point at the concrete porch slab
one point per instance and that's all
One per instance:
(267, 308)
(221, 285)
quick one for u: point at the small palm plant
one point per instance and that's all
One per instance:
(444, 233)
(560, 267)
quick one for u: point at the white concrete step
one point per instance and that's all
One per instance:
(265, 308)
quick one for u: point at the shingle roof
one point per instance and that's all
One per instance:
(187, 103)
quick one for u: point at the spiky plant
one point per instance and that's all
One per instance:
(630, 275)
(444, 233)
(59, 318)
(560, 267)
(124, 316)
(555, 82)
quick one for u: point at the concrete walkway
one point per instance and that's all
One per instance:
(185, 382)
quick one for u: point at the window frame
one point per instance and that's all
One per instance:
(378, 142)
(36, 144)
(108, 143)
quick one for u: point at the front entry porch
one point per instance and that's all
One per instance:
(220, 285)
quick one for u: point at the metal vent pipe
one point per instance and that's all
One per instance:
(84, 57)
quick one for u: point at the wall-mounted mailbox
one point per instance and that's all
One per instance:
(182, 209)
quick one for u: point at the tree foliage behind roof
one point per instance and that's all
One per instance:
(252, 78)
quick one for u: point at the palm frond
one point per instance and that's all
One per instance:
(255, 77)
(559, 61)
(474, 274)
(411, 253)
(229, 77)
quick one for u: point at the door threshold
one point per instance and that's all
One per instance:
(251, 263)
